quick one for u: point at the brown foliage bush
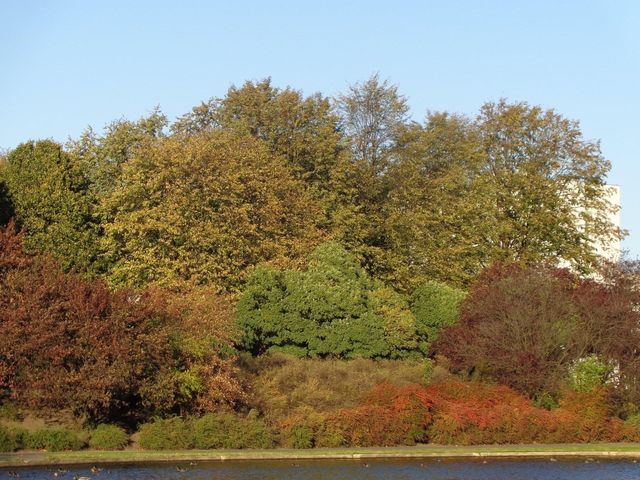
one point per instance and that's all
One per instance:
(69, 343)
(609, 313)
(201, 327)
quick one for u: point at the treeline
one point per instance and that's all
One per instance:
(263, 175)
(253, 269)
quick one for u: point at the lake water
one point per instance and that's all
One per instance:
(494, 469)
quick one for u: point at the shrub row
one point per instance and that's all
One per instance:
(451, 412)
(219, 430)
(10, 439)
(51, 439)
(282, 384)
(457, 413)
(104, 437)
(389, 415)
(108, 437)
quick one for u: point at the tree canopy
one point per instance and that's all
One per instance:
(264, 174)
(49, 193)
(203, 210)
(547, 183)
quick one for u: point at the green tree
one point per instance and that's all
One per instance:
(204, 210)
(50, 194)
(517, 184)
(588, 373)
(104, 155)
(201, 118)
(6, 208)
(373, 117)
(332, 309)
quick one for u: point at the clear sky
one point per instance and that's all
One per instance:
(68, 64)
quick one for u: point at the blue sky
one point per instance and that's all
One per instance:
(68, 64)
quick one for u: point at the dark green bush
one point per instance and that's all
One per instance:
(166, 434)
(108, 437)
(10, 439)
(54, 440)
(332, 309)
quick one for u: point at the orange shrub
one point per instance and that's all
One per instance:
(472, 413)
(586, 417)
(458, 413)
(389, 415)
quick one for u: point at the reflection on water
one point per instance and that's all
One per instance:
(496, 469)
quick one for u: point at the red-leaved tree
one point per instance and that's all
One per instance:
(526, 326)
(70, 343)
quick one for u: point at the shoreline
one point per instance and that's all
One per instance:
(96, 457)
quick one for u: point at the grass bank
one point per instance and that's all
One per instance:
(599, 450)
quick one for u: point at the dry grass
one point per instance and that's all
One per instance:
(280, 384)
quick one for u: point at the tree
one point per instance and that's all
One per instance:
(333, 309)
(518, 327)
(63, 344)
(548, 186)
(436, 215)
(6, 209)
(301, 129)
(50, 194)
(373, 115)
(588, 373)
(528, 327)
(201, 331)
(104, 155)
(204, 210)
(517, 184)
(201, 118)
(70, 343)
(609, 310)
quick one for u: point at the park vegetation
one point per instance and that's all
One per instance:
(274, 269)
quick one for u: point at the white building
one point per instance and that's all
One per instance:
(607, 249)
(613, 250)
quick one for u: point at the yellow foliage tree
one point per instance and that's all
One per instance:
(204, 209)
